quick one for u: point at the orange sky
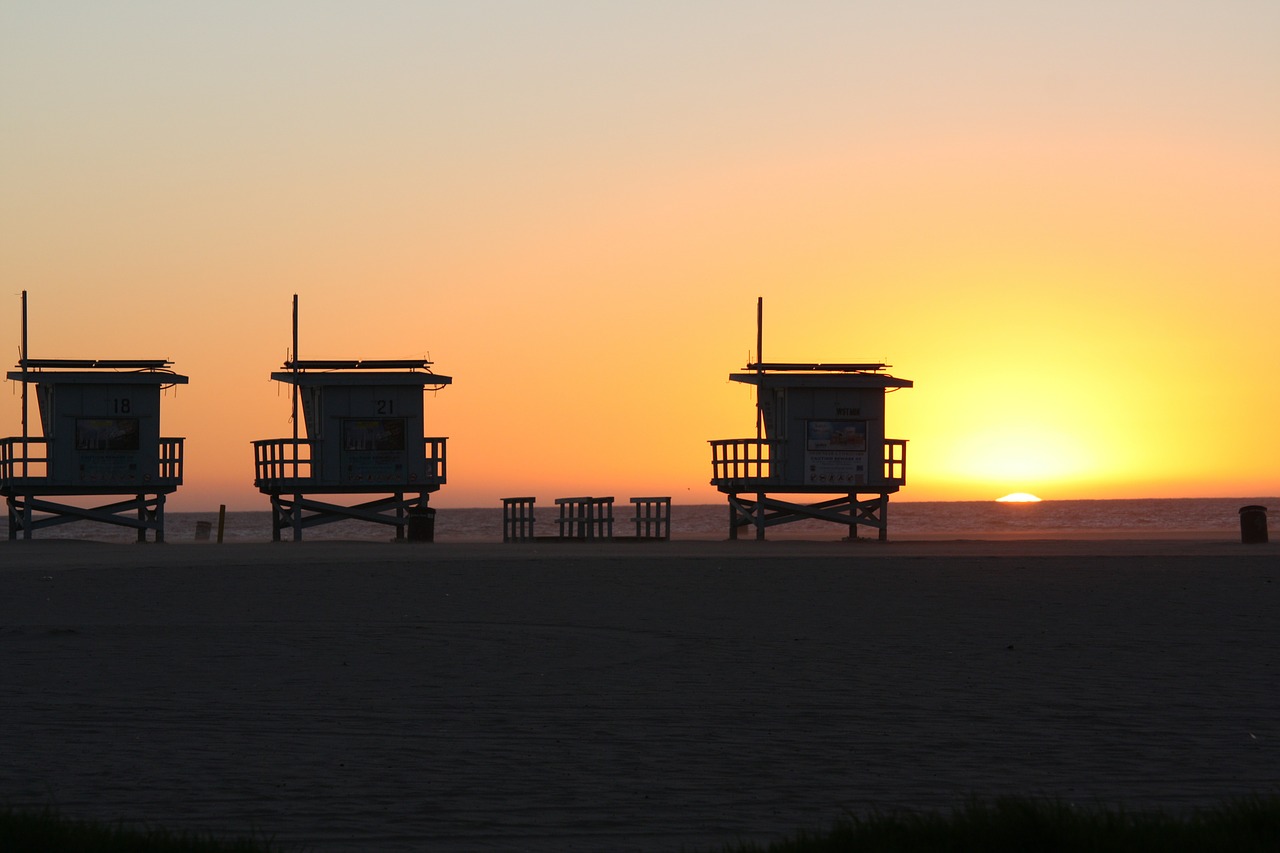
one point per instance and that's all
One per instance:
(1059, 223)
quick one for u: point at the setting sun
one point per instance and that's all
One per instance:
(1018, 498)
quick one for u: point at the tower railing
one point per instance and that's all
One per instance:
(170, 469)
(279, 462)
(752, 461)
(23, 459)
(435, 449)
(735, 460)
(895, 461)
(279, 459)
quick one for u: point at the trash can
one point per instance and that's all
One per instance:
(1253, 524)
(202, 530)
(422, 524)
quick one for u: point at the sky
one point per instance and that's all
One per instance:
(1057, 219)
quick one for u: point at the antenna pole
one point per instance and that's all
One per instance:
(295, 386)
(23, 360)
(759, 363)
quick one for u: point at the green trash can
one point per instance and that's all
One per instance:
(1253, 524)
(422, 524)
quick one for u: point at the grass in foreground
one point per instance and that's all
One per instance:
(1015, 825)
(1018, 825)
(23, 831)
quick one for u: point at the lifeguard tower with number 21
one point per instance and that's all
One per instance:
(101, 437)
(820, 430)
(364, 435)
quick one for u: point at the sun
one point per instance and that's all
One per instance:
(1018, 498)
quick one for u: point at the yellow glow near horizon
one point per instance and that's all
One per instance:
(1018, 498)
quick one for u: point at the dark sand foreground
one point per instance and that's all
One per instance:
(627, 697)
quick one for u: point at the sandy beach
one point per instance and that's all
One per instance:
(648, 697)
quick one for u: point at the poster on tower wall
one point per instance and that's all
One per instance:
(373, 451)
(835, 454)
(107, 451)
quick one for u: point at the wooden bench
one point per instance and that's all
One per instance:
(517, 519)
(585, 518)
(652, 517)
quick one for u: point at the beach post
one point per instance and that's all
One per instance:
(1253, 524)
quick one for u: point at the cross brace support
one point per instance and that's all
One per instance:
(762, 511)
(298, 512)
(148, 514)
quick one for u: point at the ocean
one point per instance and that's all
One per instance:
(1050, 519)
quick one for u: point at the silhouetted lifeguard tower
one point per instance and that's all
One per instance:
(100, 421)
(364, 435)
(820, 430)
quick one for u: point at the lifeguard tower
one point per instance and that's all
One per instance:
(820, 430)
(364, 435)
(100, 422)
